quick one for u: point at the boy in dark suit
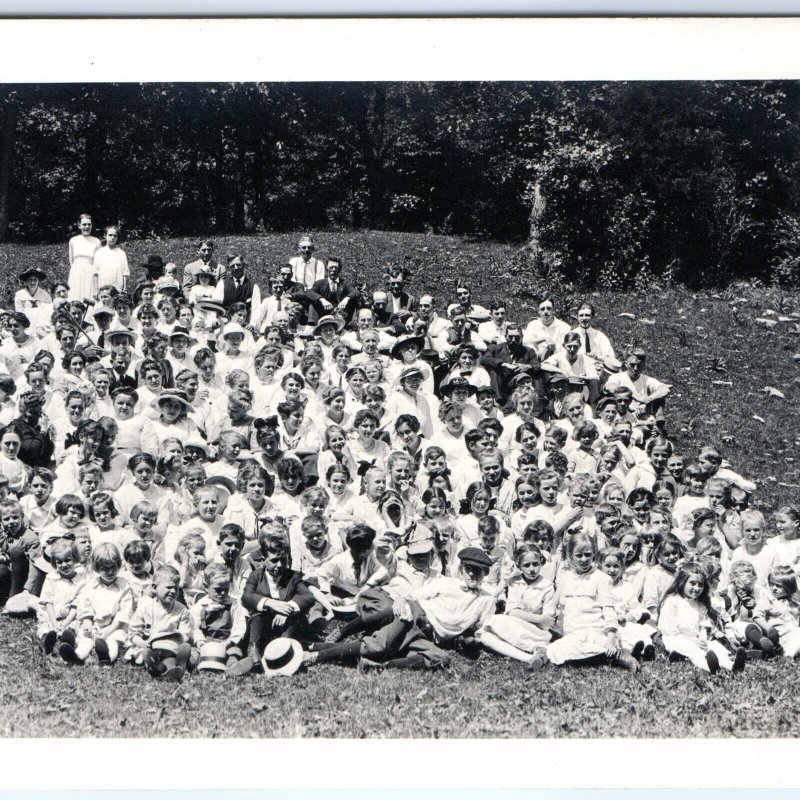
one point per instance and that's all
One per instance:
(277, 599)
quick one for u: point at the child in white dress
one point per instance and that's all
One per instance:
(105, 605)
(689, 625)
(627, 593)
(530, 610)
(588, 616)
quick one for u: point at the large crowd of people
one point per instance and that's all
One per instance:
(201, 473)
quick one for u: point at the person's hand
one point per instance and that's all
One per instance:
(612, 646)
(62, 614)
(343, 304)
(338, 602)
(575, 513)
(325, 304)
(402, 610)
(202, 395)
(279, 621)
(280, 607)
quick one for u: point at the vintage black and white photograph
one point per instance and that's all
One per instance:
(400, 409)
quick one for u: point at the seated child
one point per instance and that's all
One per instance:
(529, 613)
(588, 616)
(783, 611)
(748, 603)
(105, 605)
(690, 627)
(160, 631)
(633, 634)
(667, 553)
(57, 607)
(138, 570)
(278, 601)
(190, 558)
(17, 544)
(143, 517)
(39, 503)
(219, 619)
(230, 544)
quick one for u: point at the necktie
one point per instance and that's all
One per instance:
(280, 304)
(473, 589)
(588, 342)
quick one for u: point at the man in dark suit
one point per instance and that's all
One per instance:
(506, 360)
(399, 298)
(235, 286)
(332, 293)
(276, 597)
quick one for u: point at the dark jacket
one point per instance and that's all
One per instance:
(232, 294)
(36, 448)
(291, 586)
(321, 290)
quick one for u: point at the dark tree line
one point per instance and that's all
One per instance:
(607, 183)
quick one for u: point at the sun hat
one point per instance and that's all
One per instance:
(210, 305)
(476, 557)
(103, 311)
(33, 272)
(404, 341)
(169, 285)
(179, 330)
(167, 641)
(213, 657)
(199, 444)
(410, 372)
(421, 541)
(282, 656)
(231, 329)
(204, 270)
(118, 330)
(176, 395)
(224, 488)
(612, 364)
(328, 319)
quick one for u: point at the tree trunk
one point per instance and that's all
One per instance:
(538, 206)
(373, 155)
(8, 126)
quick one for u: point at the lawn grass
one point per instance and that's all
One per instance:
(694, 340)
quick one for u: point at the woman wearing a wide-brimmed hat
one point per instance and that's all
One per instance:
(173, 416)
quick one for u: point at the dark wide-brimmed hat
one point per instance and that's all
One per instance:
(404, 341)
(329, 319)
(32, 272)
(458, 382)
(153, 262)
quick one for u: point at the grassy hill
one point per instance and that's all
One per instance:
(718, 350)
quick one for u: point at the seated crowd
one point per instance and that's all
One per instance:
(205, 474)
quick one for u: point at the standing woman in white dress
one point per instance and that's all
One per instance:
(111, 262)
(82, 281)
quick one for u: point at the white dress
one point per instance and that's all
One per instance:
(111, 265)
(81, 258)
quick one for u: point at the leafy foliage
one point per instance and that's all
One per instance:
(615, 184)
